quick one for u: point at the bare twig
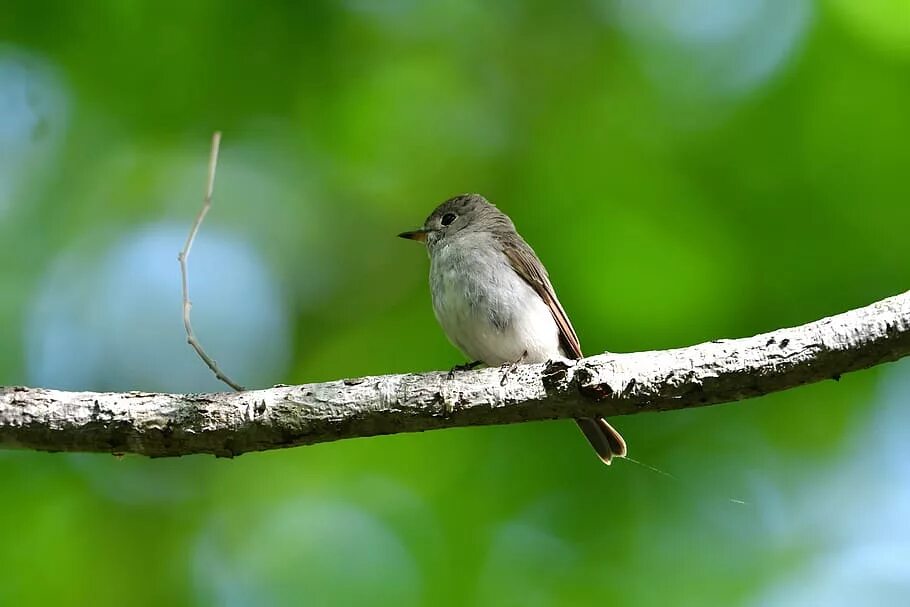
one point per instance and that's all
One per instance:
(184, 255)
(606, 384)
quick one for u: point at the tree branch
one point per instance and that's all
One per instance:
(228, 424)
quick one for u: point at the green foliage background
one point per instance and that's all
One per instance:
(683, 172)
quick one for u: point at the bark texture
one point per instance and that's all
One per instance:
(228, 424)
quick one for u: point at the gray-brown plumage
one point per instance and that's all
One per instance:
(494, 299)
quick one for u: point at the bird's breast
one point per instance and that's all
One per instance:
(486, 309)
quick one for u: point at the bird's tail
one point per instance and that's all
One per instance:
(607, 442)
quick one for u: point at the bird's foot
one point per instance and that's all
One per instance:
(465, 367)
(509, 368)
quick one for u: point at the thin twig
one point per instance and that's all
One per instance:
(183, 256)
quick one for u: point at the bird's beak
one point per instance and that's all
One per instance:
(420, 235)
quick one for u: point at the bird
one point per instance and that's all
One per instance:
(493, 298)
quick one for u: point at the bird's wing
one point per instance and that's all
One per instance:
(605, 440)
(526, 264)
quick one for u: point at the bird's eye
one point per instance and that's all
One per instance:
(448, 218)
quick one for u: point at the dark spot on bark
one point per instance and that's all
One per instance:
(784, 343)
(770, 342)
(597, 391)
(554, 373)
(228, 451)
(260, 407)
(583, 376)
(118, 440)
(439, 405)
(352, 381)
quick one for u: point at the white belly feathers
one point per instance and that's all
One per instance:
(494, 317)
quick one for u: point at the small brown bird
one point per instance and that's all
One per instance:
(494, 300)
